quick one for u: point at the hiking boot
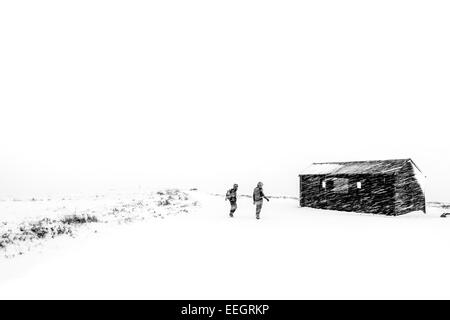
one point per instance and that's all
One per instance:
(231, 215)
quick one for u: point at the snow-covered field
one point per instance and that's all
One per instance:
(198, 252)
(26, 224)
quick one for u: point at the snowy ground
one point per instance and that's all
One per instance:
(27, 224)
(291, 253)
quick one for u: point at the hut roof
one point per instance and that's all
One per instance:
(357, 167)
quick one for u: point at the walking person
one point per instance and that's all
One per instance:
(232, 197)
(258, 196)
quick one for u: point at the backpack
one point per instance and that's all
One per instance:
(231, 195)
(257, 194)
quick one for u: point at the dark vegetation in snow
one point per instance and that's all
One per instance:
(249, 196)
(439, 205)
(42, 229)
(21, 237)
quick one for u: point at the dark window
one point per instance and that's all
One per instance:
(336, 185)
(329, 185)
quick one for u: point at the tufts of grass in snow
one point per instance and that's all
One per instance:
(17, 237)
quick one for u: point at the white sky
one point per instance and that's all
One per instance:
(97, 94)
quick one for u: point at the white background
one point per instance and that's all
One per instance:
(98, 94)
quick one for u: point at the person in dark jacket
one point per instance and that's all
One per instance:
(258, 196)
(232, 197)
